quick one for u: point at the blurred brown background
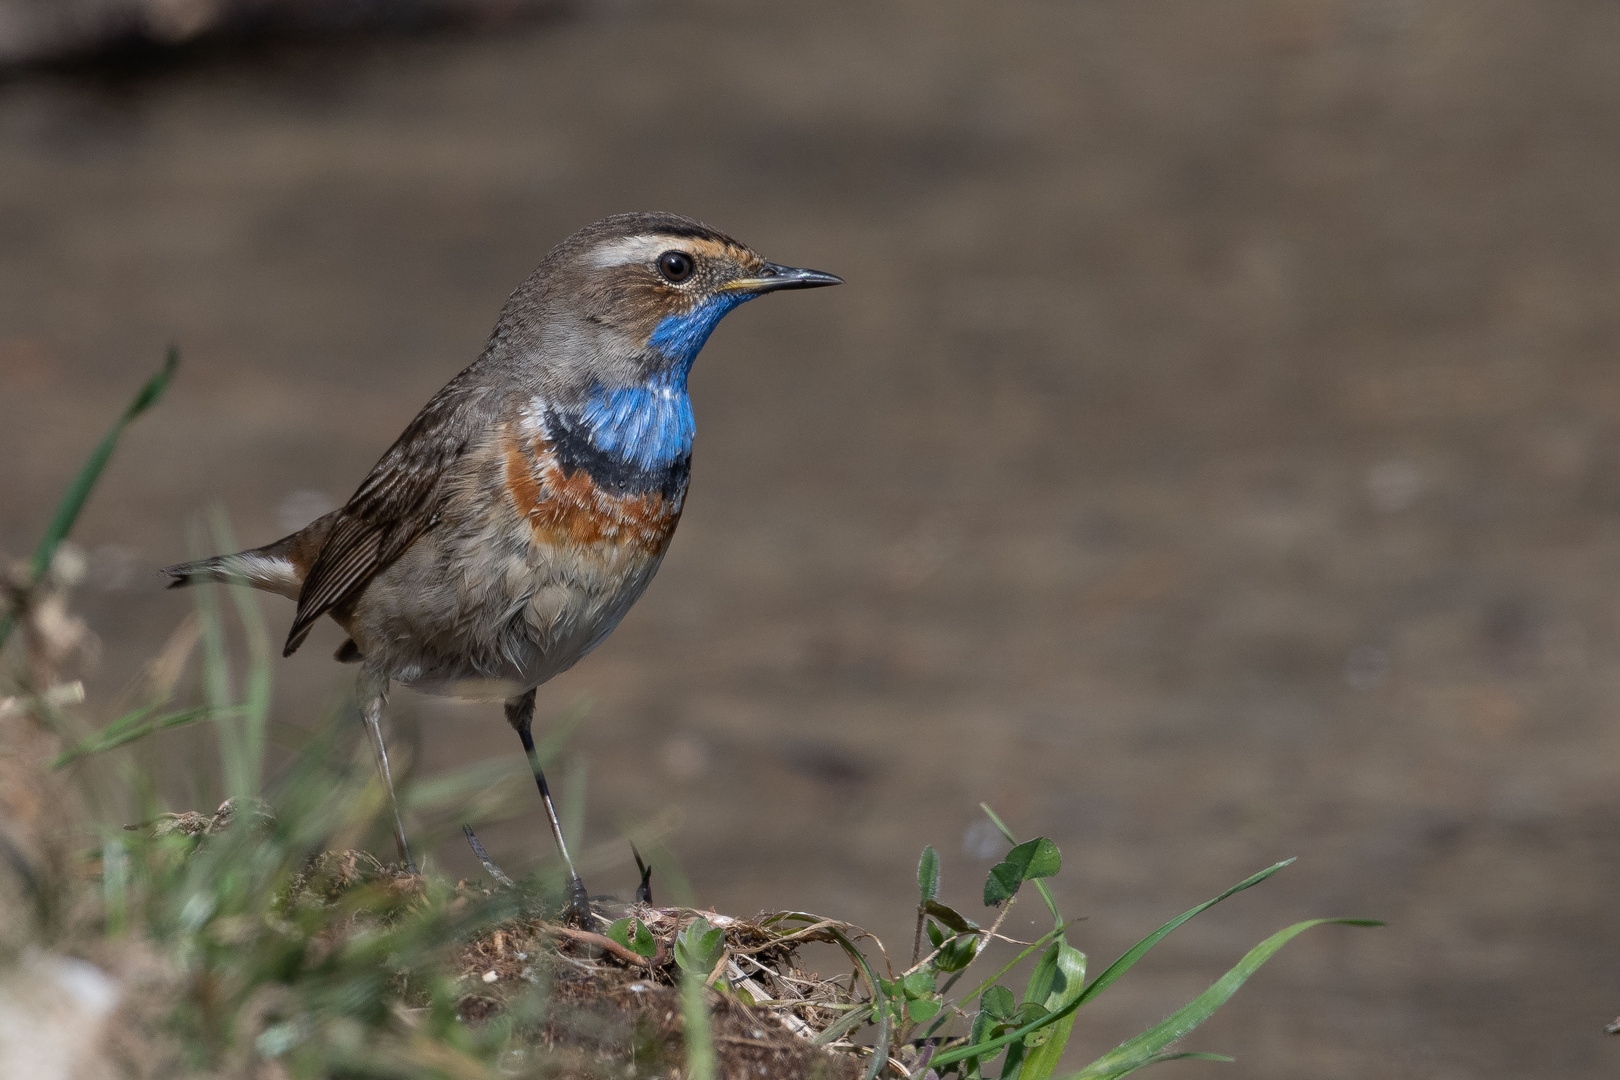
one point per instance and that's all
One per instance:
(1212, 458)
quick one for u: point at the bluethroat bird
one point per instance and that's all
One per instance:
(527, 506)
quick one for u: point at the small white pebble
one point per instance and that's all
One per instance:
(758, 1034)
(639, 988)
(490, 976)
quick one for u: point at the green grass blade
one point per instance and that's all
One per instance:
(78, 492)
(880, 1003)
(571, 800)
(217, 688)
(843, 1025)
(130, 728)
(1183, 1020)
(1054, 984)
(486, 785)
(1113, 972)
(256, 693)
(1137, 951)
(549, 745)
(880, 1048)
(1127, 1069)
(115, 885)
(698, 1035)
(999, 824)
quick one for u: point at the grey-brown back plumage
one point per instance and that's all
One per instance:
(397, 501)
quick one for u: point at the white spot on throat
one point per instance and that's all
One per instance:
(532, 419)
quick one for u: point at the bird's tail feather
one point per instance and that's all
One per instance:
(262, 568)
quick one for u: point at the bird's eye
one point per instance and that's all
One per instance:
(675, 265)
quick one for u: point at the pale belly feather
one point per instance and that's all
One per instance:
(467, 618)
(505, 600)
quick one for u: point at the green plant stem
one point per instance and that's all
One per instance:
(78, 493)
(255, 707)
(698, 1036)
(1038, 943)
(1046, 894)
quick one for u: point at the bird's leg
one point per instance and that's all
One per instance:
(373, 695)
(520, 714)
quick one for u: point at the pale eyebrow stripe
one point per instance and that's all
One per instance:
(632, 249)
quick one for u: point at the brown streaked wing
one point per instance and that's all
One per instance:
(395, 504)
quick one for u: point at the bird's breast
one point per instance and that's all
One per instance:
(589, 510)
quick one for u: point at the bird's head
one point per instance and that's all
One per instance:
(634, 297)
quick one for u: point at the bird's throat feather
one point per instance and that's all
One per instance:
(649, 425)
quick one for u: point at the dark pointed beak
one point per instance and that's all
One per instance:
(772, 277)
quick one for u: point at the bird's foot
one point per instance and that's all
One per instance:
(483, 856)
(578, 911)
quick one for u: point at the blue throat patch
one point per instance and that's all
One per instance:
(646, 426)
(650, 425)
(681, 337)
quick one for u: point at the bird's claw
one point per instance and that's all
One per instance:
(578, 912)
(643, 890)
